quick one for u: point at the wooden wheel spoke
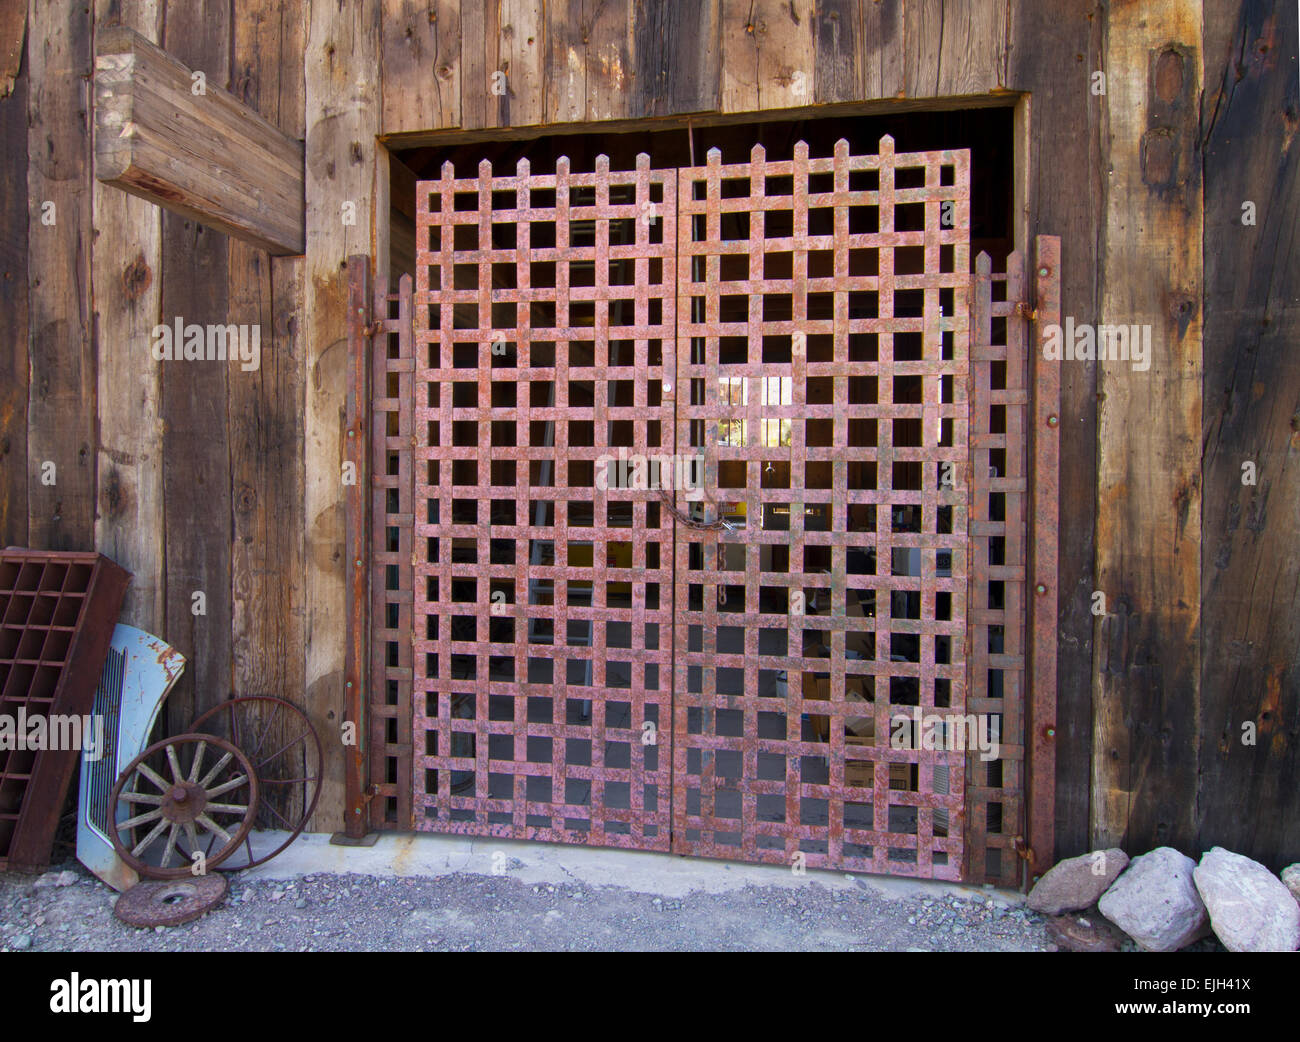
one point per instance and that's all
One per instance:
(197, 765)
(158, 780)
(212, 826)
(154, 833)
(216, 770)
(140, 819)
(141, 797)
(170, 849)
(227, 808)
(227, 785)
(173, 760)
(192, 838)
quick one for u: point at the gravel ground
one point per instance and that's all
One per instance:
(473, 912)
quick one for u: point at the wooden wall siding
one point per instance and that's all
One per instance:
(342, 64)
(196, 436)
(956, 47)
(1056, 48)
(13, 281)
(589, 70)
(127, 279)
(1250, 567)
(1146, 737)
(768, 55)
(506, 36)
(676, 55)
(422, 60)
(61, 391)
(265, 406)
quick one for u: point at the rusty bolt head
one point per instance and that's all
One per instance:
(1040, 589)
(1051, 732)
(1044, 271)
(1052, 420)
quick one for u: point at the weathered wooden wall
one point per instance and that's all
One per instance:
(202, 477)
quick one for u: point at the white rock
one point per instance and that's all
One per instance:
(1075, 883)
(1155, 901)
(1250, 909)
(1291, 877)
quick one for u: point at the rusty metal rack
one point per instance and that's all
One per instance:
(559, 653)
(57, 613)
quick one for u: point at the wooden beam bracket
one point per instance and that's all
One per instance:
(165, 134)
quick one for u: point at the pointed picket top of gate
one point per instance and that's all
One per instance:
(523, 168)
(448, 170)
(602, 165)
(887, 145)
(714, 156)
(801, 151)
(758, 154)
(983, 264)
(842, 148)
(485, 170)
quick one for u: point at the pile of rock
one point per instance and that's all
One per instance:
(1165, 901)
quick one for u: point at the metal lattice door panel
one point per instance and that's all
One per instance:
(823, 342)
(560, 654)
(542, 600)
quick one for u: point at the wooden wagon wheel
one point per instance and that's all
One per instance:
(208, 805)
(280, 765)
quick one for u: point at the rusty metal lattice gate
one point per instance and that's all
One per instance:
(754, 662)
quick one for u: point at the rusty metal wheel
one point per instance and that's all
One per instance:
(289, 771)
(211, 796)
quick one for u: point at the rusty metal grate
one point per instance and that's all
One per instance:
(823, 341)
(998, 544)
(542, 601)
(556, 655)
(391, 558)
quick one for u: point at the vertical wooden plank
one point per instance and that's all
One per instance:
(13, 289)
(956, 47)
(522, 56)
(127, 267)
(1146, 699)
(478, 108)
(882, 53)
(841, 71)
(768, 55)
(266, 404)
(421, 64)
(505, 37)
(676, 57)
(1250, 570)
(1058, 45)
(588, 62)
(196, 454)
(343, 113)
(61, 397)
